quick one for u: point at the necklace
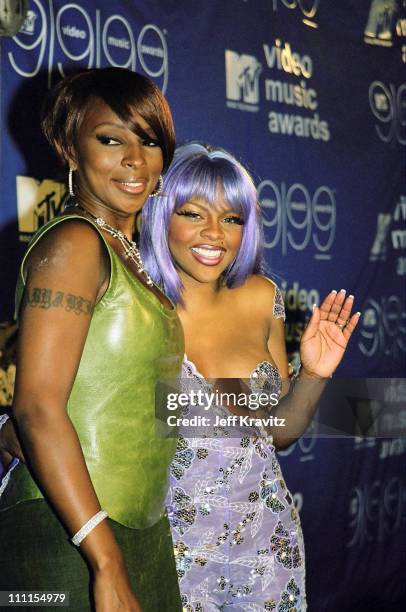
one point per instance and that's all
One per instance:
(131, 250)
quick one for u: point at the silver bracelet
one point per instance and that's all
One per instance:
(3, 419)
(88, 527)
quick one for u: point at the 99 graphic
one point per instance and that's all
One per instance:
(59, 35)
(297, 218)
(383, 327)
(387, 102)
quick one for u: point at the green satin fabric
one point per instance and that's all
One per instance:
(133, 341)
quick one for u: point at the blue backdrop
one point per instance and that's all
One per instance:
(311, 96)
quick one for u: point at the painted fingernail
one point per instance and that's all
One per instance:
(343, 291)
(359, 313)
(314, 307)
(351, 296)
(333, 291)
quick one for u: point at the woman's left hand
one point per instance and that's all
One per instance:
(9, 444)
(327, 334)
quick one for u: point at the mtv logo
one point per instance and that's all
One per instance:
(370, 318)
(28, 26)
(37, 203)
(381, 102)
(242, 77)
(381, 22)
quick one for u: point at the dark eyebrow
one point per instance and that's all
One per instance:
(149, 131)
(106, 123)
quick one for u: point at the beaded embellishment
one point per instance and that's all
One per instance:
(231, 514)
(278, 305)
(265, 378)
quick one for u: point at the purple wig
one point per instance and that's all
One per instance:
(199, 171)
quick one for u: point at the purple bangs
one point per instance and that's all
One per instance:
(202, 172)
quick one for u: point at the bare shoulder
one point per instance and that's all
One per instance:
(74, 244)
(259, 289)
(262, 297)
(70, 238)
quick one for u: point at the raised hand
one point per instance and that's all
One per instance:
(327, 334)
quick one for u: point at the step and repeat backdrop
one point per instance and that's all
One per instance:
(311, 96)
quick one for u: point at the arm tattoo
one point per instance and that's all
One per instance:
(39, 297)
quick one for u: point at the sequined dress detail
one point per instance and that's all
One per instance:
(237, 537)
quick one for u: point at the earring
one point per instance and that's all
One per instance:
(70, 183)
(158, 191)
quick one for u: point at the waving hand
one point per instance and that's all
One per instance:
(327, 334)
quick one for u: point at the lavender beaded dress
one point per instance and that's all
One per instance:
(237, 538)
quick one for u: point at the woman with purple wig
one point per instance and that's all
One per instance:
(237, 537)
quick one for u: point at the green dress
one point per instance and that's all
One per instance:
(133, 341)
